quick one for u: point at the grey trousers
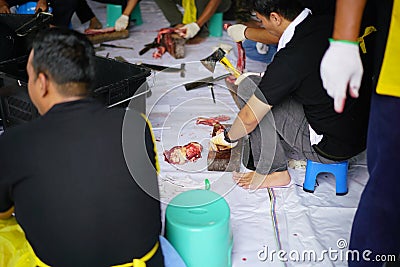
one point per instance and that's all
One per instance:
(285, 126)
(174, 16)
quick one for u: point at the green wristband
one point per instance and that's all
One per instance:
(331, 40)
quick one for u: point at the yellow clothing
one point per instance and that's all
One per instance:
(190, 14)
(389, 78)
(15, 250)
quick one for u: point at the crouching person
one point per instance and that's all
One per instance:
(290, 107)
(81, 178)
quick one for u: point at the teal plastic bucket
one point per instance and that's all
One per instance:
(136, 15)
(197, 225)
(113, 13)
(215, 25)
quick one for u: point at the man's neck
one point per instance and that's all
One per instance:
(288, 33)
(58, 100)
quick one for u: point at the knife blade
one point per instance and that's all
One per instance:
(116, 46)
(149, 46)
(161, 68)
(204, 82)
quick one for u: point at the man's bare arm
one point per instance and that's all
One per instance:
(260, 35)
(348, 19)
(129, 7)
(248, 118)
(208, 12)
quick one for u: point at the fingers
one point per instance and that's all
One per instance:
(355, 83)
(337, 90)
(5, 10)
(42, 5)
(339, 103)
(181, 30)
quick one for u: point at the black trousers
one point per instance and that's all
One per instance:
(63, 10)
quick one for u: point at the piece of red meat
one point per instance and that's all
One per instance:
(182, 154)
(166, 43)
(218, 128)
(159, 52)
(193, 151)
(213, 120)
(241, 62)
(99, 31)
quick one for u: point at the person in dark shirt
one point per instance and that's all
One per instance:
(6, 4)
(83, 11)
(82, 178)
(240, 32)
(194, 21)
(291, 105)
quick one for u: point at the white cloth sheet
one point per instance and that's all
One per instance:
(304, 221)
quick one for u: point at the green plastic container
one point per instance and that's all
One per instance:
(197, 225)
(115, 11)
(215, 25)
(136, 15)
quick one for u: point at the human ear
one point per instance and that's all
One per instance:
(43, 81)
(275, 18)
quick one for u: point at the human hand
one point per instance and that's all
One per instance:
(189, 30)
(341, 67)
(121, 23)
(42, 5)
(236, 32)
(4, 7)
(220, 140)
(245, 75)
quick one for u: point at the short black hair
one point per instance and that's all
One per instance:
(289, 9)
(65, 55)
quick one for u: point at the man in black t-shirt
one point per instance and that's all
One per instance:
(82, 178)
(291, 105)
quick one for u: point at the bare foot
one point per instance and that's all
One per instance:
(95, 24)
(254, 180)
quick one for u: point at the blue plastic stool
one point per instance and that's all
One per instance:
(27, 8)
(197, 225)
(339, 170)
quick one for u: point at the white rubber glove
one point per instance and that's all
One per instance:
(262, 48)
(236, 32)
(191, 30)
(341, 68)
(121, 23)
(247, 74)
(219, 139)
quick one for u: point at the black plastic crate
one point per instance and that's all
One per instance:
(115, 84)
(18, 45)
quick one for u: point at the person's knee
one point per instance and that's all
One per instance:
(248, 86)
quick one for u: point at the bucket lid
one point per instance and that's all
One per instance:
(198, 207)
